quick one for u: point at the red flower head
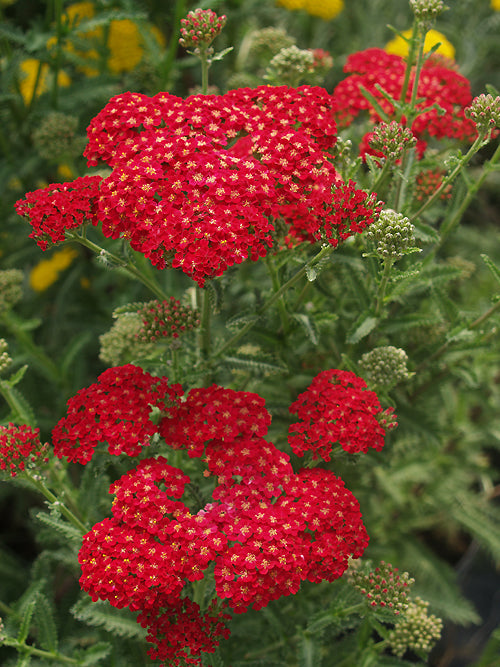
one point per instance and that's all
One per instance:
(58, 207)
(438, 84)
(200, 184)
(20, 448)
(115, 410)
(338, 408)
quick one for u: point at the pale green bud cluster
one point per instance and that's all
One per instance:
(5, 360)
(55, 138)
(392, 234)
(11, 290)
(392, 139)
(485, 112)
(416, 631)
(289, 66)
(121, 344)
(427, 11)
(384, 587)
(384, 366)
(268, 42)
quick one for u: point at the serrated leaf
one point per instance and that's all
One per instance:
(425, 232)
(308, 326)
(311, 274)
(221, 54)
(479, 522)
(239, 321)
(22, 412)
(45, 624)
(374, 102)
(17, 376)
(253, 364)
(495, 270)
(117, 621)
(65, 529)
(92, 655)
(362, 328)
(26, 619)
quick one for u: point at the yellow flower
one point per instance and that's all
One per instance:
(46, 272)
(125, 45)
(325, 9)
(124, 40)
(29, 70)
(64, 171)
(399, 47)
(495, 4)
(292, 4)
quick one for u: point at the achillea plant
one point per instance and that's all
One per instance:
(276, 259)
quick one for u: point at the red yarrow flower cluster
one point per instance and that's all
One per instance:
(265, 530)
(438, 84)
(115, 410)
(20, 448)
(208, 182)
(338, 408)
(60, 207)
(427, 182)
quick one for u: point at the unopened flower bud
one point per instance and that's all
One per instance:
(391, 140)
(5, 360)
(385, 366)
(55, 138)
(165, 319)
(427, 182)
(485, 112)
(290, 66)
(200, 28)
(392, 234)
(416, 631)
(267, 42)
(10, 288)
(427, 11)
(120, 345)
(384, 587)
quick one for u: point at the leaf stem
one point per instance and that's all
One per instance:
(322, 254)
(123, 264)
(54, 501)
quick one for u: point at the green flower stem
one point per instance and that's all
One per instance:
(271, 267)
(473, 325)
(449, 225)
(204, 69)
(121, 263)
(26, 649)
(383, 285)
(8, 611)
(204, 335)
(409, 65)
(476, 146)
(57, 62)
(23, 337)
(58, 475)
(53, 500)
(322, 254)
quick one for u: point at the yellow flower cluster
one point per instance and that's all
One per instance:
(325, 9)
(495, 4)
(29, 86)
(399, 46)
(124, 40)
(46, 272)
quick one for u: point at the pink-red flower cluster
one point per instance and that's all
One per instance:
(165, 319)
(204, 183)
(265, 529)
(438, 84)
(20, 447)
(428, 181)
(59, 207)
(115, 410)
(338, 408)
(200, 27)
